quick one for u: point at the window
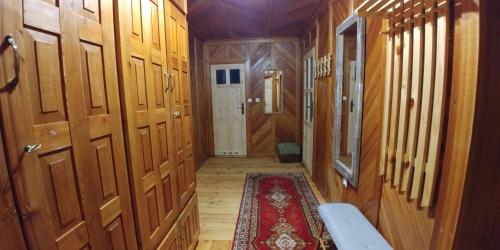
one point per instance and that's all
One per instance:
(234, 76)
(220, 74)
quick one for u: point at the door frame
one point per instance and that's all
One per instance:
(248, 106)
(310, 53)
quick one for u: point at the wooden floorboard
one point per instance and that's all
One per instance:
(220, 183)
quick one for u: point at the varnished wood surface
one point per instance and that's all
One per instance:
(146, 105)
(72, 192)
(11, 236)
(217, 19)
(367, 195)
(202, 146)
(220, 188)
(479, 217)
(263, 130)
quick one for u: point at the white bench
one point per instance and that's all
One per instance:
(349, 229)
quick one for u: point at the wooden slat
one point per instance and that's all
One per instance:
(387, 101)
(403, 108)
(427, 94)
(394, 106)
(415, 101)
(438, 111)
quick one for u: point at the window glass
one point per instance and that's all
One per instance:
(220, 74)
(234, 75)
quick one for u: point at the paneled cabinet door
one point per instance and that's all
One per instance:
(63, 126)
(189, 226)
(172, 240)
(177, 38)
(148, 123)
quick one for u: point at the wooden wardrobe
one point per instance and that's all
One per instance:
(156, 104)
(96, 130)
(62, 126)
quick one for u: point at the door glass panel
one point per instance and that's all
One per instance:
(234, 75)
(311, 73)
(220, 75)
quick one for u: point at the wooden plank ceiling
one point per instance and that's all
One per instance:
(223, 19)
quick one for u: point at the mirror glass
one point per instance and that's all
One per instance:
(349, 97)
(273, 92)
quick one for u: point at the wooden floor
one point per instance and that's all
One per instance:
(220, 187)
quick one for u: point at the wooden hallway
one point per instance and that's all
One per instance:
(220, 183)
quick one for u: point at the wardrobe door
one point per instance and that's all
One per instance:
(148, 123)
(69, 172)
(172, 240)
(181, 101)
(189, 225)
(11, 237)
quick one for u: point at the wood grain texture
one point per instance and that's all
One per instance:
(263, 130)
(202, 147)
(218, 19)
(470, 64)
(481, 192)
(74, 191)
(401, 220)
(12, 237)
(367, 195)
(220, 187)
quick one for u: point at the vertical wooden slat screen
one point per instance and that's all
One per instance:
(414, 104)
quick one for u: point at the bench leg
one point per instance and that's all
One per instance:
(318, 240)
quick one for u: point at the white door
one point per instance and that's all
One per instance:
(307, 143)
(228, 92)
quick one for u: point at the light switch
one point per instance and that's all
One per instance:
(257, 99)
(249, 100)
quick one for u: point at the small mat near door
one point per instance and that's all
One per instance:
(278, 211)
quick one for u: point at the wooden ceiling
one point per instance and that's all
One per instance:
(223, 19)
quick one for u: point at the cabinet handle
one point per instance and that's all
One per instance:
(173, 81)
(167, 77)
(12, 83)
(177, 114)
(30, 148)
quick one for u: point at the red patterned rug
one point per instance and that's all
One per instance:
(278, 211)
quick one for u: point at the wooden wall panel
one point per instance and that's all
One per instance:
(403, 223)
(201, 133)
(367, 195)
(263, 131)
(471, 158)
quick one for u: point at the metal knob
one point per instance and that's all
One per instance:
(32, 148)
(177, 114)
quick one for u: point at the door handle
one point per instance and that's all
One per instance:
(30, 148)
(242, 107)
(169, 75)
(177, 114)
(12, 83)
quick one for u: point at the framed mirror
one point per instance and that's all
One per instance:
(350, 56)
(273, 92)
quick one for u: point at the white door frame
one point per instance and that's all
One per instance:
(308, 126)
(241, 149)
